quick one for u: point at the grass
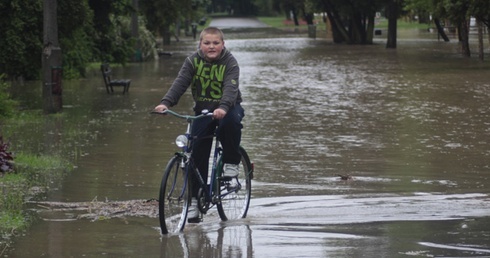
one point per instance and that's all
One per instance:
(402, 24)
(31, 172)
(382, 23)
(276, 22)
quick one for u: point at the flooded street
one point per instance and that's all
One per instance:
(410, 127)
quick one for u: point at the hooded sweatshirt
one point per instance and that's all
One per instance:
(213, 84)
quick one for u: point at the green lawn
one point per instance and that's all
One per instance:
(403, 24)
(382, 23)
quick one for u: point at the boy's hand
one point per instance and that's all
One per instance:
(219, 113)
(160, 108)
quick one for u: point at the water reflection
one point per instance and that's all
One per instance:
(224, 241)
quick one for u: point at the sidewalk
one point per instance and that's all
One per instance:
(237, 22)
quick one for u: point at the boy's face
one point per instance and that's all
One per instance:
(211, 46)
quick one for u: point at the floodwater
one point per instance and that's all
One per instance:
(410, 126)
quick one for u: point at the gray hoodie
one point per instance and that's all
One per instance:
(213, 84)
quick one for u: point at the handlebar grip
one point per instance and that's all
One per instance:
(164, 112)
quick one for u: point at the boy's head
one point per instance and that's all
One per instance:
(211, 43)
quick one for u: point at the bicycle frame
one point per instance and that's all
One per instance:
(210, 196)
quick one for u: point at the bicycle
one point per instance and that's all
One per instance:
(231, 196)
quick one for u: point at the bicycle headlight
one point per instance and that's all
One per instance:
(181, 141)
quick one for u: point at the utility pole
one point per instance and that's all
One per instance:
(51, 59)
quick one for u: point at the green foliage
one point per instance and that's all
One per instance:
(121, 40)
(456, 11)
(86, 34)
(266, 7)
(112, 41)
(159, 13)
(12, 220)
(480, 9)
(162, 14)
(21, 38)
(75, 30)
(453, 10)
(14, 187)
(7, 105)
(147, 41)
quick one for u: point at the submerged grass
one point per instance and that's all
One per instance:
(45, 149)
(33, 174)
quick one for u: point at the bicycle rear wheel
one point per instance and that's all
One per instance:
(174, 197)
(235, 194)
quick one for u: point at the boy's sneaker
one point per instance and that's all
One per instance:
(230, 170)
(193, 212)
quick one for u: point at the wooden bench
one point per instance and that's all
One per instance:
(111, 83)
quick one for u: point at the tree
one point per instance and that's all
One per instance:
(456, 11)
(161, 15)
(110, 44)
(243, 7)
(21, 39)
(352, 21)
(480, 9)
(75, 29)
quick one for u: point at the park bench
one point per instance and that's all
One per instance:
(111, 83)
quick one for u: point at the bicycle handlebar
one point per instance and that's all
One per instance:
(186, 117)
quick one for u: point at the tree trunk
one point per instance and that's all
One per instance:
(392, 14)
(309, 18)
(51, 60)
(357, 30)
(138, 56)
(488, 32)
(370, 29)
(440, 30)
(480, 40)
(339, 33)
(166, 35)
(464, 38)
(295, 16)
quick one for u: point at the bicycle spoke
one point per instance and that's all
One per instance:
(235, 194)
(174, 198)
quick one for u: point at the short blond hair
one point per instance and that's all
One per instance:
(212, 30)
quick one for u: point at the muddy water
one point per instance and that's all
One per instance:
(410, 126)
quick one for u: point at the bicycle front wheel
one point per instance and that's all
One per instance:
(174, 197)
(235, 194)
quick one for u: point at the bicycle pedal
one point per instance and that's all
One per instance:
(225, 182)
(194, 220)
(226, 178)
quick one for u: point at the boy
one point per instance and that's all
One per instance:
(213, 74)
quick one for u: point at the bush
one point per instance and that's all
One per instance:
(6, 158)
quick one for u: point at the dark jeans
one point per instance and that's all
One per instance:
(229, 131)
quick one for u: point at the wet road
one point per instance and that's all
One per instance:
(410, 126)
